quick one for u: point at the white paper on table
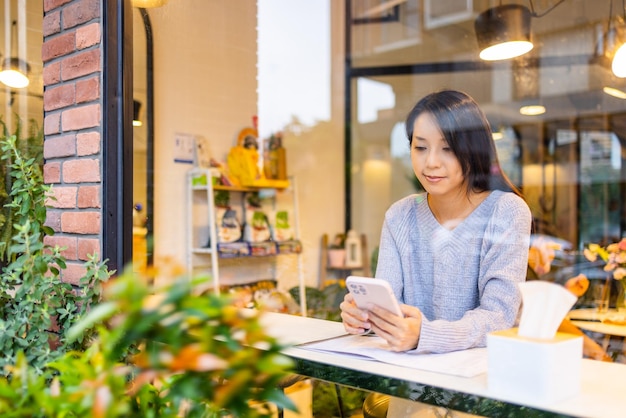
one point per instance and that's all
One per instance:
(464, 363)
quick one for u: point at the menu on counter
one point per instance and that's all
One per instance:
(464, 363)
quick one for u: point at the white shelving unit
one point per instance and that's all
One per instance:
(202, 236)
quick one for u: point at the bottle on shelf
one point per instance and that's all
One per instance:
(353, 250)
(275, 159)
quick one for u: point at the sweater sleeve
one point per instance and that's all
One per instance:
(389, 264)
(503, 261)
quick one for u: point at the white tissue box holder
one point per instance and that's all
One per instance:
(531, 369)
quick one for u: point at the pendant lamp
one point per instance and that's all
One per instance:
(503, 32)
(14, 70)
(618, 63)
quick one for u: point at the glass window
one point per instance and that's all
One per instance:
(568, 160)
(223, 67)
(21, 80)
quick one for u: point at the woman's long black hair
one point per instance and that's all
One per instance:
(468, 134)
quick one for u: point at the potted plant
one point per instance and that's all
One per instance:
(337, 251)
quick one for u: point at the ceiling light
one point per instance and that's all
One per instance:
(532, 110)
(611, 91)
(14, 70)
(503, 32)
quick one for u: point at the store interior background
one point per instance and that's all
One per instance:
(217, 64)
(211, 78)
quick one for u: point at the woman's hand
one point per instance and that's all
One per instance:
(355, 320)
(402, 334)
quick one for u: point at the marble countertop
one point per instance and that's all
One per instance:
(601, 392)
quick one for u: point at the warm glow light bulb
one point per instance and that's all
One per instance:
(14, 79)
(532, 110)
(611, 91)
(619, 62)
(505, 50)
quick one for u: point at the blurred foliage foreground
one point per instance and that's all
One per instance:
(168, 352)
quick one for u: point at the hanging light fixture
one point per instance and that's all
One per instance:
(14, 70)
(618, 66)
(503, 32)
(618, 63)
(610, 50)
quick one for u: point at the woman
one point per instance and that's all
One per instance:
(454, 254)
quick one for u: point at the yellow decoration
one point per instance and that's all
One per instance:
(243, 159)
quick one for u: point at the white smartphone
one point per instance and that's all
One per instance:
(366, 290)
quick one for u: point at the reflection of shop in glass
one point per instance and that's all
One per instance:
(600, 168)
(599, 156)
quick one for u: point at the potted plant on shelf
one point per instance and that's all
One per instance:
(337, 251)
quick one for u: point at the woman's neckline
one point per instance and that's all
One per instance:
(451, 219)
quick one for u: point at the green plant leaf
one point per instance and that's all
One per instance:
(96, 315)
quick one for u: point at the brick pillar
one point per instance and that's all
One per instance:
(72, 75)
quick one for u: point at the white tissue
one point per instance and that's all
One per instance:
(544, 305)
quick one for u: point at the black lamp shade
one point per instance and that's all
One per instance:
(505, 23)
(16, 64)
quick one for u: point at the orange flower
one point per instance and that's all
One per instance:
(614, 255)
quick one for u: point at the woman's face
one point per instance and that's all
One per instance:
(434, 163)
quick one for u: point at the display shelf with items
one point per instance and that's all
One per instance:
(232, 228)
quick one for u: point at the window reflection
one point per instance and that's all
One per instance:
(568, 160)
(21, 42)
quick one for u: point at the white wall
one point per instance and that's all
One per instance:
(206, 84)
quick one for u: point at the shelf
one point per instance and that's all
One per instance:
(201, 250)
(344, 268)
(199, 182)
(202, 228)
(258, 249)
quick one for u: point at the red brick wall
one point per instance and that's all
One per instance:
(72, 57)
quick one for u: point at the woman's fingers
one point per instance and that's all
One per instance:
(402, 334)
(355, 320)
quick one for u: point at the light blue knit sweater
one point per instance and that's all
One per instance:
(464, 281)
